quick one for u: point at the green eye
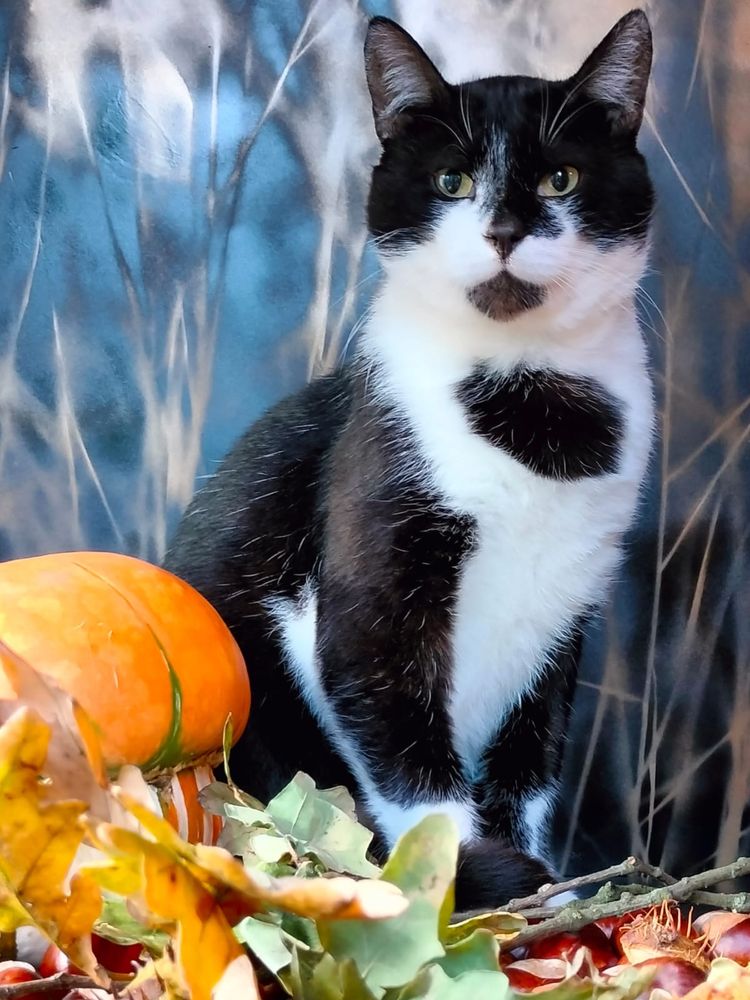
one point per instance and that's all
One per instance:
(559, 183)
(454, 183)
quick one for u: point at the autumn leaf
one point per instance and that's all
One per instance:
(243, 892)
(38, 842)
(504, 926)
(726, 980)
(199, 892)
(74, 762)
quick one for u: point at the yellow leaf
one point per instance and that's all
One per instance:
(244, 892)
(167, 894)
(74, 762)
(205, 944)
(203, 891)
(38, 842)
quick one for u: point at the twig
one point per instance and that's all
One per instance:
(576, 915)
(631, 866)
(61, 982)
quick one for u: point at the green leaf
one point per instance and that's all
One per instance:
(217, 796)
(390, 952)
(316, 825)
(476, 953)
(267, 941)
(301, 929)
(319, 977)
(247, 815)
(434, 984)
(271, 848)
(118, 924)
(340, 797)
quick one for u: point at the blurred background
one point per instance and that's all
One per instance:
(182, 242)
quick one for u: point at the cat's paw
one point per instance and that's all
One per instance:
(490, 872)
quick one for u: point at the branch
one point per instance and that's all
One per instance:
(573, 916)
(61, 983)
(631, 866)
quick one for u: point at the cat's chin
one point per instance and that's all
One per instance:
(504, 296)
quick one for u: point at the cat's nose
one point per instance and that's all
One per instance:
(505, 232)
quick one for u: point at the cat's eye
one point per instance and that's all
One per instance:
(454, 183)
(559, 183)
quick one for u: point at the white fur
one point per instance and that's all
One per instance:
(297, 621)
(536, 815)
(395, 819)
(546, 550)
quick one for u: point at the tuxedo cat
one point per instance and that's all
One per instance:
(408, 550)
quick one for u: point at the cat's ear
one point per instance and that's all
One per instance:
(399, 75)
(618, 69)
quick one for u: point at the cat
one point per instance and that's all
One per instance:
(408, 550)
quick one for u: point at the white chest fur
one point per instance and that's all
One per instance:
(545, 550)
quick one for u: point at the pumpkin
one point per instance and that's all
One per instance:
(145, 655)
(180, 805)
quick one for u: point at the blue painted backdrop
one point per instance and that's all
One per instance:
(182, 192)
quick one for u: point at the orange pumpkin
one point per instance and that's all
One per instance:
(179, 804)
(146, 656)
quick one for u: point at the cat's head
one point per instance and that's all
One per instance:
(515, 193)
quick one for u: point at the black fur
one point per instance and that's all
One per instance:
(327, 491)
(542, 125)
(561, 426)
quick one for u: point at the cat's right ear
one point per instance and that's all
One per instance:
(400, 76)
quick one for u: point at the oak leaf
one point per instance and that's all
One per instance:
(38, 842)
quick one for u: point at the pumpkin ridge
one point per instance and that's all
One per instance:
(168, 751)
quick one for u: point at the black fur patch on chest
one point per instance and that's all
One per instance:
(560, 426)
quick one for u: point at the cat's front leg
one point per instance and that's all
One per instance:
(518, 789)
(392, 729)
(393, 733)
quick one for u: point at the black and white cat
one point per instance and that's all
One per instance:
(407, 551)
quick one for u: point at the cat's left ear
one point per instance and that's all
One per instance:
(618, 69)
(400, 76)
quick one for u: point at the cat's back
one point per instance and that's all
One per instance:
(253, 528)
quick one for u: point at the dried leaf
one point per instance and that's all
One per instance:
(504, 926)
(74, 761)
(38, 842)
(271, 848)
(547, 969)
(204, 890)
(169, 894)
(249, 891)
